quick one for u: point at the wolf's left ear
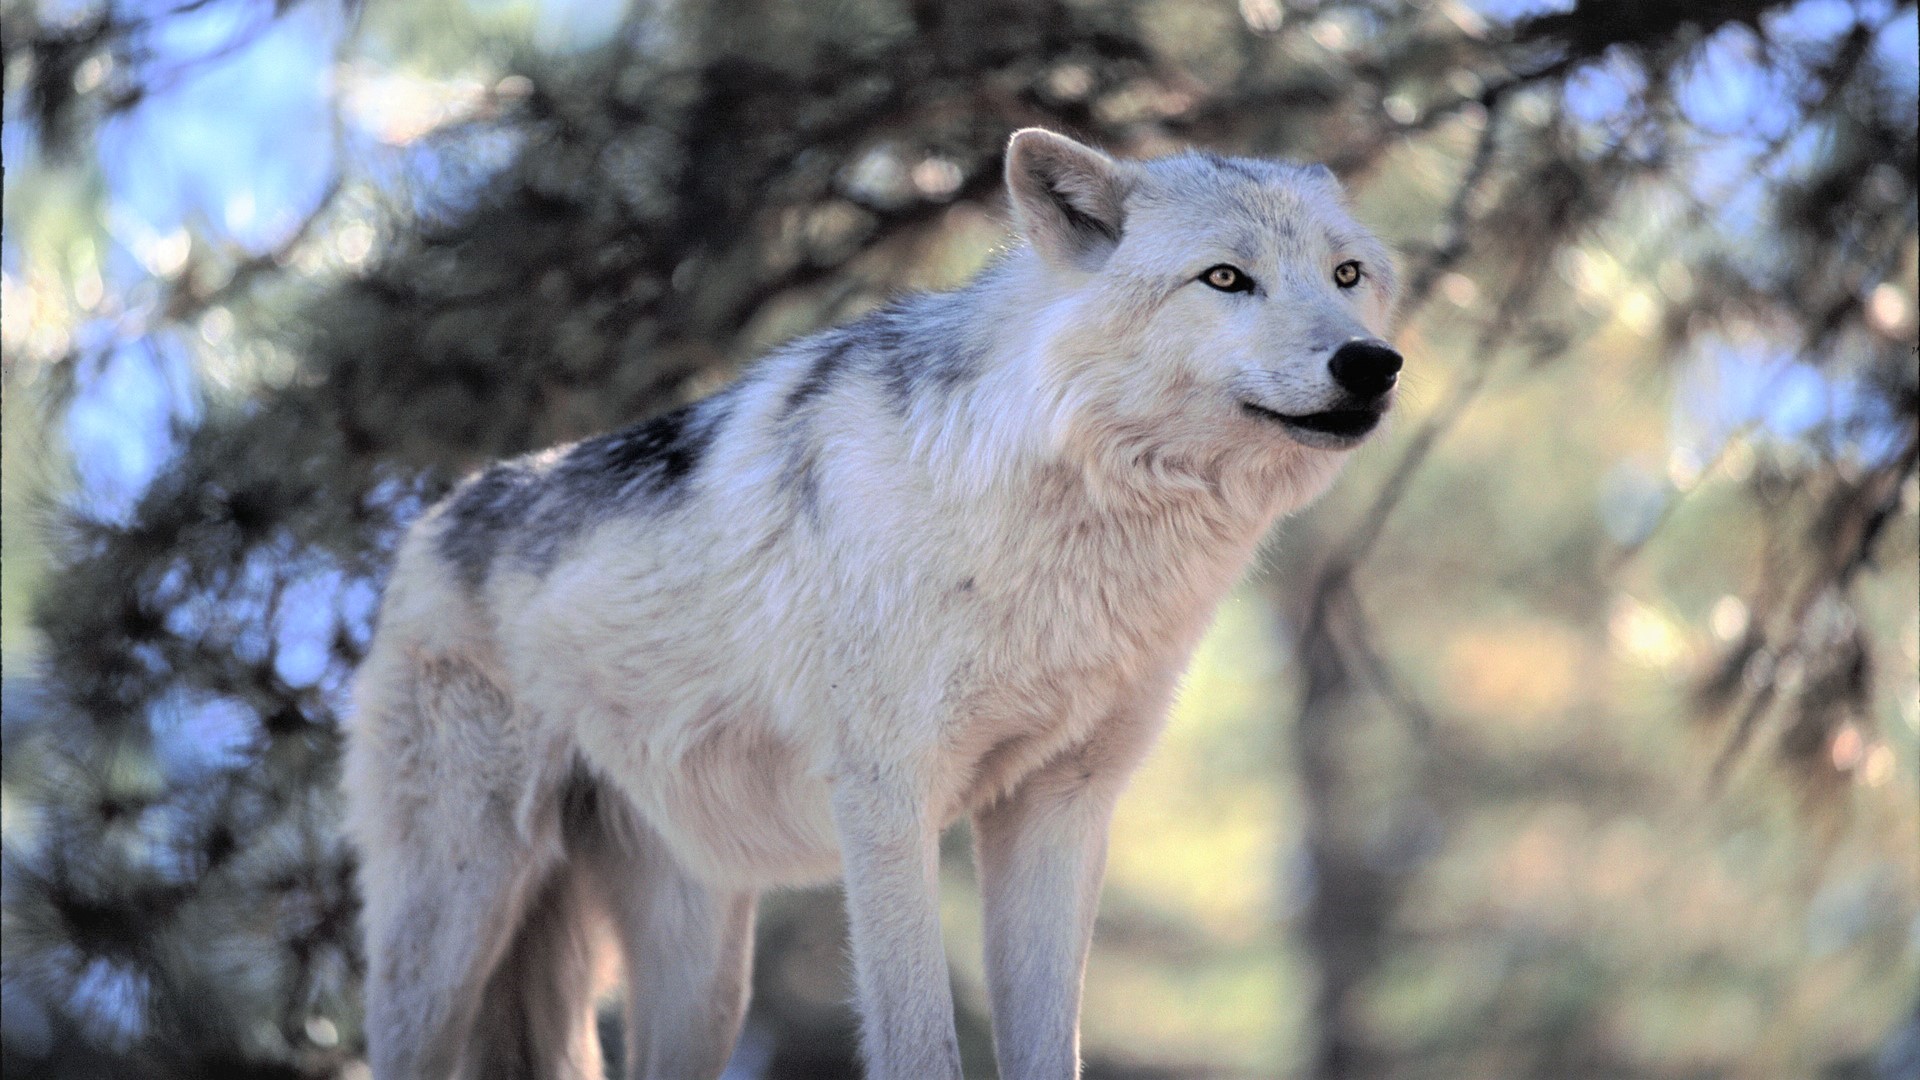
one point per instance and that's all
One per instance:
(1069, 200)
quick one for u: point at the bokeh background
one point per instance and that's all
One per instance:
(1573, 736)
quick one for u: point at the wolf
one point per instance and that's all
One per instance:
(945, 562)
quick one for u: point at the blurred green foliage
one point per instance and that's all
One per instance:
(1573, 735)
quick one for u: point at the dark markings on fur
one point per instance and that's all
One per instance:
(654, 458)
(481, 513)
(804, 478)
(819, 374)
(1232, 165)
(966, 584)
(919, 348)
(646, 467)
(1245, 245)
(1344, 239)
(799, 479)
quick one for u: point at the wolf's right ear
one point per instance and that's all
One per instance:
(1068, 200)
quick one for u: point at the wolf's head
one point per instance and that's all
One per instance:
(1207, 305)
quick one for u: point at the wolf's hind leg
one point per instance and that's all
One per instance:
(454, 834)
(688, 948)
(437, 926)
(537, 1019)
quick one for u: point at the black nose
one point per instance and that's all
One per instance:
(1365, 368)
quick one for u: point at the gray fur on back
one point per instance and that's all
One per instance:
(531, 507)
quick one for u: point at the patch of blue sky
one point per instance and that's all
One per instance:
(1727, 180)
(196, 735)
(1607, 91)
(442, 176)
(1812, 22)
(1735, 176)
(20, 147)
(237, 148)
(573, 26)
(1733, 384)
(357, 599)
(190, 613)
(1745, 120)
(1897, 48)
(120, 427)
(1764, 387)
(247, 618)
(1729, 89)
(241, 146)
(1507, 11)
(303, 635)
(109, 998)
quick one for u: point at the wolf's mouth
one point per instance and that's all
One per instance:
(1339, 423)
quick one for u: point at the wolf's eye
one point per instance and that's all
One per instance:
(1228, 279)
(1347, 274)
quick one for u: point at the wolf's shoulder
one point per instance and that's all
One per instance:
(915, 348)
(530, 506)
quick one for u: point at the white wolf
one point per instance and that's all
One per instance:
(947, 561)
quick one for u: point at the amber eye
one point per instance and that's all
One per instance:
(1228, 279)
(1347, 274)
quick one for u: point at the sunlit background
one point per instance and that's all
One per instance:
(1573, 735)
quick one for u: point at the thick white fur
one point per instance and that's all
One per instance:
(984, 615)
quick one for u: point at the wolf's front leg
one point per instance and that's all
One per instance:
(891, 854)
(1041, 853)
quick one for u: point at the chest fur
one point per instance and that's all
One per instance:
(1072, 620)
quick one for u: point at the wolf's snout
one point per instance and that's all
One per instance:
(1365, 368)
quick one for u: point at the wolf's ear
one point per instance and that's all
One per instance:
(1320, 174)
(1069, 200)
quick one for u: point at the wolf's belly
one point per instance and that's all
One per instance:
(739, 809)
